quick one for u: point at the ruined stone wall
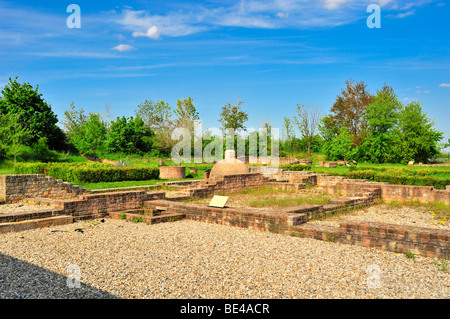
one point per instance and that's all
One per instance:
(99, 205)
(414, 193)
(348, 187)
(428, 242)
(14, 188)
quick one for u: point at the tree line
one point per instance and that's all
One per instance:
(360, 126)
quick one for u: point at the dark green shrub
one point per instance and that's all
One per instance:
(296, 167)
(363, 174)
(88, 172)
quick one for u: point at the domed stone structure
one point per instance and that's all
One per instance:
(229, 166)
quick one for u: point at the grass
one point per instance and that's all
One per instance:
(442, 264)
(268, 197)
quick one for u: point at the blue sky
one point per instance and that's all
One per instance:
(270, 54)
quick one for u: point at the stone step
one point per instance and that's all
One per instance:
(23, 216)
(35, 223)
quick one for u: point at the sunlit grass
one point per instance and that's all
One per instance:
(268, 197)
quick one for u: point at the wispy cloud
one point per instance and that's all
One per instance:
(74, 54)
(123, 48)
(263, 14)
(444, 85)
(404, 14)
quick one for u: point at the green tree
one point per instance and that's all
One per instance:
(72, 123)
(13, 133)
(341, 147)
(233, 117)
(329, 129)
(186, 114)
(382, 119)
(288, 133)
(35, 114)
(129, 136)
(156, 116)
(419, 140)
(92, 136)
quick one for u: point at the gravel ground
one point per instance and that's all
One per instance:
(188, 259)
(410, 216)
(23, 208)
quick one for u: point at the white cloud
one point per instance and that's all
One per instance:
(334, 4)
(404, 15)
(282, 15)
(143, 24)
(257, 14)
(123, 48)
(153, 33)
(444, 85)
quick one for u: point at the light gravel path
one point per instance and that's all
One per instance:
(409, 216)
(23, 208)
(188, 259)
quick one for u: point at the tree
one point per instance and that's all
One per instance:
(341, 146)
(233, 117)
(328, 130)
(72, 123)
(128, 136)
(13, 132)
(92, 135)
(382, 119)
(350, 108)
(288, 132)
(419, 140)
(307, 121)
(186, 114)
(156, 116)
(35, 114)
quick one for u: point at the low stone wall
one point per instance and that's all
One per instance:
(99, 205)
(274, 220)
(426, 242)
(32, 224)
(14, 188)
(258, 219)
(347, 187)
(414, 193)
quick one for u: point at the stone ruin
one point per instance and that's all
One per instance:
(70, 203)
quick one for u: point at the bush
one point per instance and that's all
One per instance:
(362, 174)
(297, 167)
(401, 176)
(88, 172)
